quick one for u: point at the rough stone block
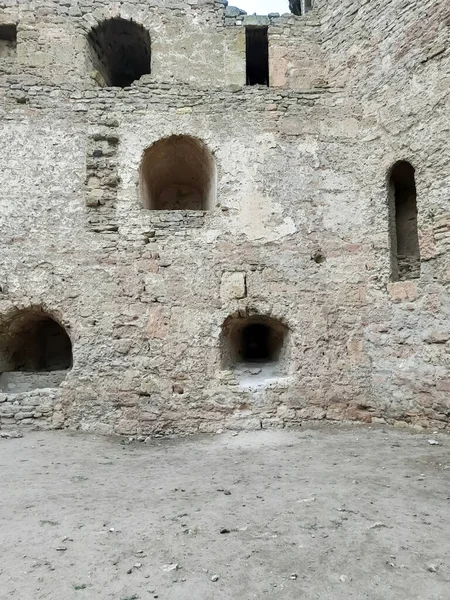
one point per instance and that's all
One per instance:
(58, 420)
(127, 427)
(403, 290)
(156, 325)
(149, 387)
(23, 415)
(437, 336)
(233, 286)
(355, 349)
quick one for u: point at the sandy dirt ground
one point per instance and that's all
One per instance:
(326, 513)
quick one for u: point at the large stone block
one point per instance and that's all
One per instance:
(233, 286)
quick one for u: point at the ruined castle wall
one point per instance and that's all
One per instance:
(299, 231)
(193, 43)
(393, 61)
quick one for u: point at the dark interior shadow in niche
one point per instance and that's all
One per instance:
(35, 352)
(120, 52)
(255, 347)
(404, 234)
(8, 41)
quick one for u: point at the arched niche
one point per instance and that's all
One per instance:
(35, 351)
(403, 228)
(178, 173)
(253, 341)
(120, 52)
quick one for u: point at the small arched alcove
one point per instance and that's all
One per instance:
(120, 52)
(403, 229)
(35, 352)
(254, 344)
(178, 173)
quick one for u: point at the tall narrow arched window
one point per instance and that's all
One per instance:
(178, 173)
(120, 51)
(404, 236)
(35, 351)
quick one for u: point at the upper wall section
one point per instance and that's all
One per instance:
(374, 47)
(200, 42)
(354, 44)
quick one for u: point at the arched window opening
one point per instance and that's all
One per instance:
(255, 341)
(35, 352)
(178, 173)
(120, 51)
(404, 236)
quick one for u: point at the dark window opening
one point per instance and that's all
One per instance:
(300, 7)
(8, 40)
(295, 7)
(257, 55)
(405, 253)
(255, 339)
(178, 173)
(121, 52)
(255, 343)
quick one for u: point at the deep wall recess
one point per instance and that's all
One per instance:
(35, 351)
(120, 51)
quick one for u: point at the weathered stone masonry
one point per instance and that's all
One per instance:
(284, 266)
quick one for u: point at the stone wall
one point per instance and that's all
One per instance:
(38, 408)
(299, 232)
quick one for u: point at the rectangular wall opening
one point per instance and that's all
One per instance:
(257, 55)
(8, 40)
